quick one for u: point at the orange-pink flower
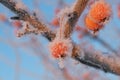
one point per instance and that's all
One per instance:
(99, 13)
(59, 48)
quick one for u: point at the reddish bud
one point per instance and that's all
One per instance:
(118, 10)
(60, 48)
(98, 15)
(86, 76)
(17, 24)
(55, 22)
(80, 36)
(78, 28)
(57, 10)
(3, 17)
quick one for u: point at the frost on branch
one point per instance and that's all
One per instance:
(67, 21)
(24, 15)
(60, 47)
(20, 5)
(26, 29)
(106, 63)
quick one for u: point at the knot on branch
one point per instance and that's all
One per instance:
(72, 18)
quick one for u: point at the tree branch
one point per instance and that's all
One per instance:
(73, 16)
(26, 16)
(99, 60)
(96, 60)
